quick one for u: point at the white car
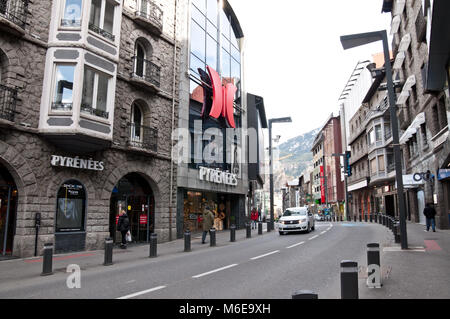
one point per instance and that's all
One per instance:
(296, 219)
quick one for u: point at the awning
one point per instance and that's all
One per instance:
(395, 24)
(356, 186)
(409, 83)
(412, 129)
(443, 173)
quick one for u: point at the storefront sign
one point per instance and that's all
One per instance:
(143, 219)
(322, 185)
(217, 176)
(76, 162)
(443, 174)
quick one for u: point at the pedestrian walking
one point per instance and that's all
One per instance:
(208, 221)
(254, 217)
(123, 226)
(430, 213)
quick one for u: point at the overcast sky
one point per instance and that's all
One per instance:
(294, 58)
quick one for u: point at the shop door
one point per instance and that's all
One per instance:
(390, 205)
(421, 206)
(8, 205)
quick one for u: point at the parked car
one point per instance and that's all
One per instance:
(296, 219)
(319, 217)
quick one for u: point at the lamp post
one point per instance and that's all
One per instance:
(355, 40)
(271, 121)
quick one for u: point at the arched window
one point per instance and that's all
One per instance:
(142, 55)
(71, 207)
(136, 124)
(140, 59)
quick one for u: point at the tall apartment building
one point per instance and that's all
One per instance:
(421, 51)
(87, 98)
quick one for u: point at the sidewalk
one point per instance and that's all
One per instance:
(30, 268)
(422, 271)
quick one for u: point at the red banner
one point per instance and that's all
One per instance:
(322, 185)
(143, 219)
(117, 219)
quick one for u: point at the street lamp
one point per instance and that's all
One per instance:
(278, 120)
(355, 40)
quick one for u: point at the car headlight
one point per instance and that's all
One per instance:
(303, 220)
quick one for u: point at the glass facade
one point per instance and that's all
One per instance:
(71, 202)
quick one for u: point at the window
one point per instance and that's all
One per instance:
(423, 130)
(373, 166)
(371, 137)
(381, 163)
(71, 207)
(95, 92)
(101, 18)
(378, 136)
(72, 13)
(63, 90)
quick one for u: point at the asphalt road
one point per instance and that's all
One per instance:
(263, 267)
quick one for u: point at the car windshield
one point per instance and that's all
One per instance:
(295, 212)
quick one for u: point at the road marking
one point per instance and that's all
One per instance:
(313, 237)
(130, 282)
(261, 256)
(323, 232)
(142, 292)
(213, 271)
(292, 246)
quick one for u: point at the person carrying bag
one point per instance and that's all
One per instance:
(124, 227)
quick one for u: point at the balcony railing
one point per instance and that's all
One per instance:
(8, 100)
(102, 32)
(71, 23)
(147, 71)
(60, 106)
(143, 137)
(151, 12)
(86, 108)
(15, 11)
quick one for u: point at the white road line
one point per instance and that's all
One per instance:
(142, 292)
(261, 256)
(313, 237)
(213, 271)
(292, 246)
(323, 232)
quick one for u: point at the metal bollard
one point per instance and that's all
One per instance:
(360, 218)
(373, 266)
(187, 240)
(397, 232)
(269, 227)
(354, 218)
(212, 235)
(249, 230)
(47, 264)
(376, 218)
(109, 244)
(305, 294)
(153, 245)
(383, 220)
(260, 228)
(371, 218)
(390, 223)
(365, 218)
(233, 233)
(349, 279)
(341, 218)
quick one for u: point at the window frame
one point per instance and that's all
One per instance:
(53, 86)
(84, 208)
(62, 15)
(101, 25)
(95, 91)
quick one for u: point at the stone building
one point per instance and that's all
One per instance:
(88, 97)
(420, 48)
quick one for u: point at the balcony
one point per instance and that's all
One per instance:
(13, 16)
(86, 108)
(102, 32)
(142, 137)
(149, 16)
(8, 99)
(146, 74)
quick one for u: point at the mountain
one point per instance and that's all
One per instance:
(296, 155)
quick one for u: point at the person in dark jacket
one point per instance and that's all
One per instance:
(429, 213)
(123, 226)
(208, 222)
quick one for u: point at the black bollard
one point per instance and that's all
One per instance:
(187, 240)
(260, 228)
(47, 264)
(397, 232)
(383, 220)
(360, 218)
(153, 245)
(233, 233)
(269, 227)
(371, 218)
(109, 244)
(365, 218)
(349, 280)
(376, 218)
(354, 218)
(305, 294)
(212, 235)
(373, 263)
(249, 230)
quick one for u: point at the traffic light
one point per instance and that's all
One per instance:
(348, 167)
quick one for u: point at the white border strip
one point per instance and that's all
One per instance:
(292, 246)
(213, 271)
(313, 237)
